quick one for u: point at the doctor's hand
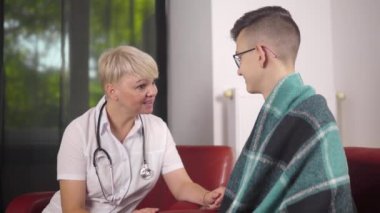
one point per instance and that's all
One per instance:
(213, 198)
(146, 210)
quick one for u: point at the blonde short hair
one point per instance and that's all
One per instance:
(115, 63)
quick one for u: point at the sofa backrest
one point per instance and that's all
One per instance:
(364, 170)
(209, 166)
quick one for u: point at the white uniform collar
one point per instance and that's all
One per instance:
(104, 123)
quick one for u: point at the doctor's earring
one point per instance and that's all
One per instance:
(114, 96)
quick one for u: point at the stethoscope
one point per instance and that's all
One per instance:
(145, 172)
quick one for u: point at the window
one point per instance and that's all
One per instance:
(50, 51)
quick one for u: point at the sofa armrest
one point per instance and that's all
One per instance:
(30, 202)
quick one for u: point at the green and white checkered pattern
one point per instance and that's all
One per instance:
(293, 161)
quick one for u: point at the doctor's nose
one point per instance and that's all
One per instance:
(152, 90)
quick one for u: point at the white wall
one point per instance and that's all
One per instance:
(201, 67)
(356, 33)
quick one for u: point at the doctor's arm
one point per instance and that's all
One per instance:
(184, 189)
(73, 196)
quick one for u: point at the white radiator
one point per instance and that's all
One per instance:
(242, 111)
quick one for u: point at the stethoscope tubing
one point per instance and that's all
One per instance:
(145, 172)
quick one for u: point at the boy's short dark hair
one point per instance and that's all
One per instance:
(272, 23)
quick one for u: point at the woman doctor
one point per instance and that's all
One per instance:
(111, 156)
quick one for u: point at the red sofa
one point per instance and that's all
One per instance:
(364, 169)
(363, 163)
(210, 166)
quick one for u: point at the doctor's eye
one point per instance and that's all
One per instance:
(141, 86)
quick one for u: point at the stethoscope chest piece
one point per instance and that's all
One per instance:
(145, 172)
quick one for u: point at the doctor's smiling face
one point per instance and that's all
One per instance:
(134, 93)
(128, 77)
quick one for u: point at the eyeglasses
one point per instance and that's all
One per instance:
(237, 56)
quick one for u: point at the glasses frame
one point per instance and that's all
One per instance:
(237, 56)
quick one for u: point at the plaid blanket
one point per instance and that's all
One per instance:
(293, 161)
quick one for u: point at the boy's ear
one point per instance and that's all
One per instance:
(263, 58)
